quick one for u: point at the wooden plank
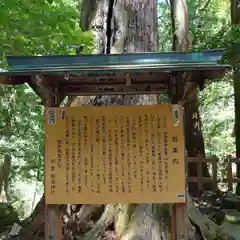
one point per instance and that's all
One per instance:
(200, 175)
(226, 180)
(200, 159)
(173, 221)
(229, 175)
(203, 179)
(178, 222)
(60, 233)
(53, 226)
(214, 174)
(179, 230)
(118, 89)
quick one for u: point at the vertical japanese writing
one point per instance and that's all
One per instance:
(92, 158)
(154, 186)
(116, 143)
(59, 144)
(159, 157)
(125, 154)
(146, 142)
(98, 175)
(110, 175)
(79, 156)
(175, 150)
(165, 140)
(128, 155)
(141, 131)
(85, 142)
(134, 148)
(73, 154)
(104, 149)
(53, 177)
(67, 154)
(122, 153)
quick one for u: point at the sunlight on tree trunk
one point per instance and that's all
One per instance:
(128, 26)
(235, 18)
(194, 141)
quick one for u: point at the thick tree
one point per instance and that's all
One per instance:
(126, 26)
(194, 141)
(235, 19)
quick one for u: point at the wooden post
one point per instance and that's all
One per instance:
(214, 174)
(53, 223)
(200, 174)
(179, 222)
(229, 173)
(173, 222)
(53, 219)
(178, 212)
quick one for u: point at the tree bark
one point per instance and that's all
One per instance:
(235, 18)
(128, 26)
(194, 142)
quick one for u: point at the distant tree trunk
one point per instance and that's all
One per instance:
(235, 17)
(127, 26)
(194, 141)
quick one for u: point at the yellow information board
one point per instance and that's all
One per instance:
(126, 154)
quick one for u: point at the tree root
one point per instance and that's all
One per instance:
(209, 230)
(143, 224)
(98, 231)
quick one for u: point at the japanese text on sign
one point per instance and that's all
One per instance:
(127, 154)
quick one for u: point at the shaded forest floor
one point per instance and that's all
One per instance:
(221, 209)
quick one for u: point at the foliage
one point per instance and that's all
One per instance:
(209, 28)
(21, 129)
(164, 26)
(30, 27)
(217, 113)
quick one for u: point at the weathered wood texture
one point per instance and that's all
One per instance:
(200, 179)
(53, 219)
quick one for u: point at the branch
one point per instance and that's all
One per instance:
(205, 6)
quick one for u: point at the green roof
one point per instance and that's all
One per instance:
(103, 70)
(117, 62)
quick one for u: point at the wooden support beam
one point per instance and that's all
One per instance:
(179, 217)
(200, 175)
(52, 97)
(101, 89)
(230, 175)
(53, 223)
(200, 159)
(179, 222)
(214, 174)
(49, 90)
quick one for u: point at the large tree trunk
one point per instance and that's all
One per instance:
(235, 56)
(128, 26)
(194, 141)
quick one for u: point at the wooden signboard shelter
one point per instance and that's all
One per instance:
(55, 77)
